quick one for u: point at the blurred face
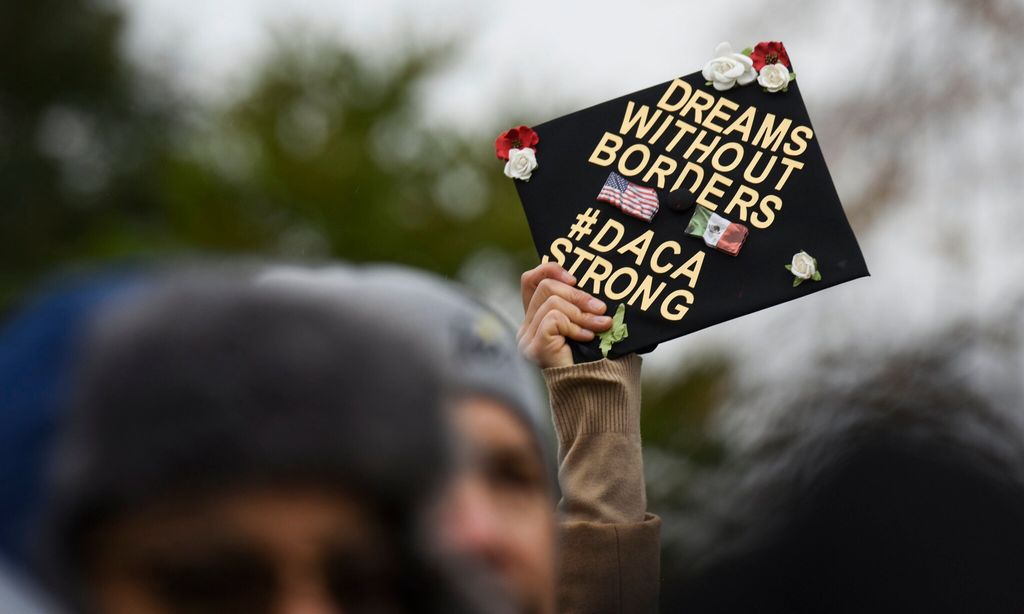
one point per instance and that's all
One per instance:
(251, 552)
(500, 511)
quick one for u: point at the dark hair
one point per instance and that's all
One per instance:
(901, 491)
(209, 383)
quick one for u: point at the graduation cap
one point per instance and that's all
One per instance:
(689, 203)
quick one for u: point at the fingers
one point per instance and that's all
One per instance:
(532, 279)
(548, 288)
(547, 346)
(555, 311)
(558, 324)
(563, 310)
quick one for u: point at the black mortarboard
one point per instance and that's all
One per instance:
(734, 178)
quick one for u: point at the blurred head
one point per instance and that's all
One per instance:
(499, 507)
(900, 491)
(234, 448)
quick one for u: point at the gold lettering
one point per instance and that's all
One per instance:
(691, 268)
(790, 166)
(614, 294)
(770, 137)
(696, 170)
(644, 294)
(656, 265)
(664, 126)
(638, 119)
(594, 275)
(699, 102)
(745, 198)
(684, 129)
(710, 189)
(717, 113)
(604, 153)
(645, 157)
(748, 175)
(677, 314)
(797, 137)
(609, 224)
(565, 244)
(638, 246)
(678, 85)
(581, 255)
(699, 144)
(663, 167)
(765, 218)
(716, 160)
(743, 124)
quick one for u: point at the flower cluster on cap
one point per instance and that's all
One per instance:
(518, 147)
(767, 63)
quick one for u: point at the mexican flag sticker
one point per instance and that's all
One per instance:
(717, 232)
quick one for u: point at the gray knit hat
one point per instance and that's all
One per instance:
(204, 381)
(475, 347)
(208, 382)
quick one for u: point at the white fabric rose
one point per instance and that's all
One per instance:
(729, 68)
(803, 266)
(521, 163)
(774, 77)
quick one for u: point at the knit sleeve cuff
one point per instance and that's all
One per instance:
(595, 397)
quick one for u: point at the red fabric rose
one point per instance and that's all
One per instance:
(518, 138)
(769, 53)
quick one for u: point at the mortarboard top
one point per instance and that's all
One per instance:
(734, 177)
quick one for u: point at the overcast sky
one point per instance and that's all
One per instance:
(524, 54)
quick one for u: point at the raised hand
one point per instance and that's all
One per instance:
(555, 311)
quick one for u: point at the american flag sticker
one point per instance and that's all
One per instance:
(638, 201)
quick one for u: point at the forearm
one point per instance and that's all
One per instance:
(596, 410)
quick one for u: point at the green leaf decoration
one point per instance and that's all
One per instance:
(797, 281)
(707, 83)
(789, 268)
(747, 51)
(792, 76)
(616, 333)
(817, 276)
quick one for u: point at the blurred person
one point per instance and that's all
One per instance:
(498, 510)
(40, 342)
(600, 552)
(39, 345)
(234, 448)
(899, 488)
(610, 559)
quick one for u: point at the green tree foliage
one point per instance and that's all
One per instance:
(76, 138)
(322, 156)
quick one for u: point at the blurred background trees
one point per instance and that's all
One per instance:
(323, 157)
(78, 147)
(325, 153)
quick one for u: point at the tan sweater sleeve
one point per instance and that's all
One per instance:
(610, 550)
(596, 411)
